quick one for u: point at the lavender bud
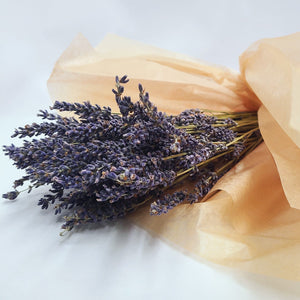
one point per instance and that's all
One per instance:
(11, 195)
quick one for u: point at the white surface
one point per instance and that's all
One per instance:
(120, 262)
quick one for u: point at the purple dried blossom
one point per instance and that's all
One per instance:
(168, 202)
(11, 195)
(102, 165)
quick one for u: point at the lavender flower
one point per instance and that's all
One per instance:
(102, 165)
(11, 195)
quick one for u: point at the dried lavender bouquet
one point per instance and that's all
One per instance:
(102, 165)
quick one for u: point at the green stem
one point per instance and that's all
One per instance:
(242, 136)
(204, 162)
(174, 156)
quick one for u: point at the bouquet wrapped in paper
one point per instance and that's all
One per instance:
(250, 218)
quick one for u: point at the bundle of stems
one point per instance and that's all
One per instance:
(102, 165)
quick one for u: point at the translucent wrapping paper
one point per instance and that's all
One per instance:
(251, 218)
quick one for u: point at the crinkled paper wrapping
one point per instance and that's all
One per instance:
(251, 218)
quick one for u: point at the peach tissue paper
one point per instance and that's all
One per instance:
(250, 220)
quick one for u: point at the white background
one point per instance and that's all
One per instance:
(120, 262)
